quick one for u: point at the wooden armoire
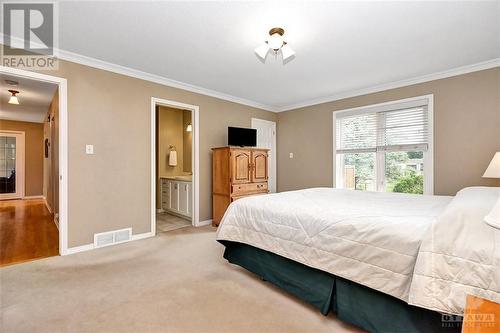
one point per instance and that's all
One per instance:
(236, 173)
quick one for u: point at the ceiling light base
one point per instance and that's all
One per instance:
(278, 31)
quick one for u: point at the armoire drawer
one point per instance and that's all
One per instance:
(249, 188)
(234, 198)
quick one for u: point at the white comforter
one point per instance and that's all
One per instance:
(459, 255)
(370, 238)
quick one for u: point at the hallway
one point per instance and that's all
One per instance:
(27, 231)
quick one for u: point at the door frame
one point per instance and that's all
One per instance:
(20, 165)
(271, 166)
(195, 153)
(63, 145)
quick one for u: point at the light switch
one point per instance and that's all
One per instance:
(89, 149)
(291, 155)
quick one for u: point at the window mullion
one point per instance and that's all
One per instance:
(380, 171)
(380, 155)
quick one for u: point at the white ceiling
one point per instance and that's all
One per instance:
(341, 46)
(34, 99)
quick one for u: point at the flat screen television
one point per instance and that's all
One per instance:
(243, 137)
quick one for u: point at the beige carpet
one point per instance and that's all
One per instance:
(175, 282)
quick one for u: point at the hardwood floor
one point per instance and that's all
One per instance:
(27, 231)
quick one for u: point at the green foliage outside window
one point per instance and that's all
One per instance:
(412, 183)
(403, 171)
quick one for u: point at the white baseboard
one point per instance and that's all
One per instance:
(204, 223)
(48, 207)
(142, 236)
(28, 197)
(88, 247)
(77, 249)
(190, 218)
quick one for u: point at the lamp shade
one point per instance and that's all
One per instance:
(262, 50)
(13, 100)
(493, 170)
(287, 52)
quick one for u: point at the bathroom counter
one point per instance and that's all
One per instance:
(186, 178)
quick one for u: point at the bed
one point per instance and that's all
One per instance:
(382, 246)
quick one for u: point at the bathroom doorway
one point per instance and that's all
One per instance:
(175, 163)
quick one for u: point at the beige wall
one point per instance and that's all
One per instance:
(466, 126)
(51, 163)
(111, 189)
(170, 123)
(33, 136)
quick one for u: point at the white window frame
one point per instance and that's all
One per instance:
(20, 164)
(428, 156)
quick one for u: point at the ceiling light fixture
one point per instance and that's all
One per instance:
(276, 44)
(13, 99)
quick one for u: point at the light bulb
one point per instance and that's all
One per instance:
(275, 41)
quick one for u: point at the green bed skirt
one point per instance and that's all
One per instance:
(353, 303)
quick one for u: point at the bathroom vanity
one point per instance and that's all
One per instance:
(176, 195)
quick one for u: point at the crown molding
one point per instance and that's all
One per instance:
(138, 74)
(396, 84)
(96, 63)
(127, 71)
(118, 69)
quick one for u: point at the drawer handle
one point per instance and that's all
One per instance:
(239, 187)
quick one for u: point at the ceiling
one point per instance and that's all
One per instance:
(34, 99)
(341, 46)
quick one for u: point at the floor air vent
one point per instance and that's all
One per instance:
(112, 237)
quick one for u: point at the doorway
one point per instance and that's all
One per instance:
(266, 138)
(43, 225)
(174, 161)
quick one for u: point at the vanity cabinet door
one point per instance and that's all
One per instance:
(165, 194)
(190, 199)
(174, 196)
(183, 198)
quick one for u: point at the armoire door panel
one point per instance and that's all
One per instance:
(259, 166)
(240, 166)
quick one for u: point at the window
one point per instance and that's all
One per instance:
(385, 147)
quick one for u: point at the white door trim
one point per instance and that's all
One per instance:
(63, 146)
(273, 165)
(20, 165)
(195, 118)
